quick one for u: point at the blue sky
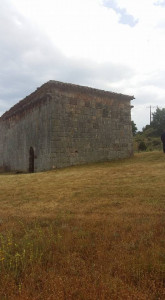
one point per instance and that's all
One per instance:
(125, 18)
(115, 45)
(160, 3)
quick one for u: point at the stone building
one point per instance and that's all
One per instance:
(63, 124)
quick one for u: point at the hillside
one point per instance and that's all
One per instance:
(88, 232)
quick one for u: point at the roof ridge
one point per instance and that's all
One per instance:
(83, 87)
(30, 100)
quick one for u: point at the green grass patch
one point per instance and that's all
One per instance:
(88, 232)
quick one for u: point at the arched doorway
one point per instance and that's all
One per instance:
(31, 160)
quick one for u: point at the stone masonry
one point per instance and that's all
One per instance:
(62, 124)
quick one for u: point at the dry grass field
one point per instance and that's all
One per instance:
(90, 232)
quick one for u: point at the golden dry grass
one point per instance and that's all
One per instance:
(86, 232)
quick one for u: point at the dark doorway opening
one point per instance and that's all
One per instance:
(31, 160)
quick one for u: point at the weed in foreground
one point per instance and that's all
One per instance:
(93, 232)
(80, 260)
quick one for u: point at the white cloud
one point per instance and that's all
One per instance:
(28, 58)
(84, 42)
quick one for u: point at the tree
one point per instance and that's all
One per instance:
(134, 128)
(142, 146)
(158, 122)
(145, 128)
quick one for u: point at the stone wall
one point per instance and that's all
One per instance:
(66, 127)
(89, 129)
(18, 135)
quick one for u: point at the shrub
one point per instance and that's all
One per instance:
(156, 143)
(142, 146)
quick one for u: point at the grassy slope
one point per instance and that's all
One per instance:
(88, 232)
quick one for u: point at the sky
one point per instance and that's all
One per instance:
(114, 45)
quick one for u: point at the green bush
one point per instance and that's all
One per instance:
(156, 143)
(142, 146)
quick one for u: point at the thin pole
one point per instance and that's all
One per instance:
(150, 107)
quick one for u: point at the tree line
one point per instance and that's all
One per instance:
(157, 125)
(149, 138)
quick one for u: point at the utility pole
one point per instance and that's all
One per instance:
(150, 107)
(150, 115)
